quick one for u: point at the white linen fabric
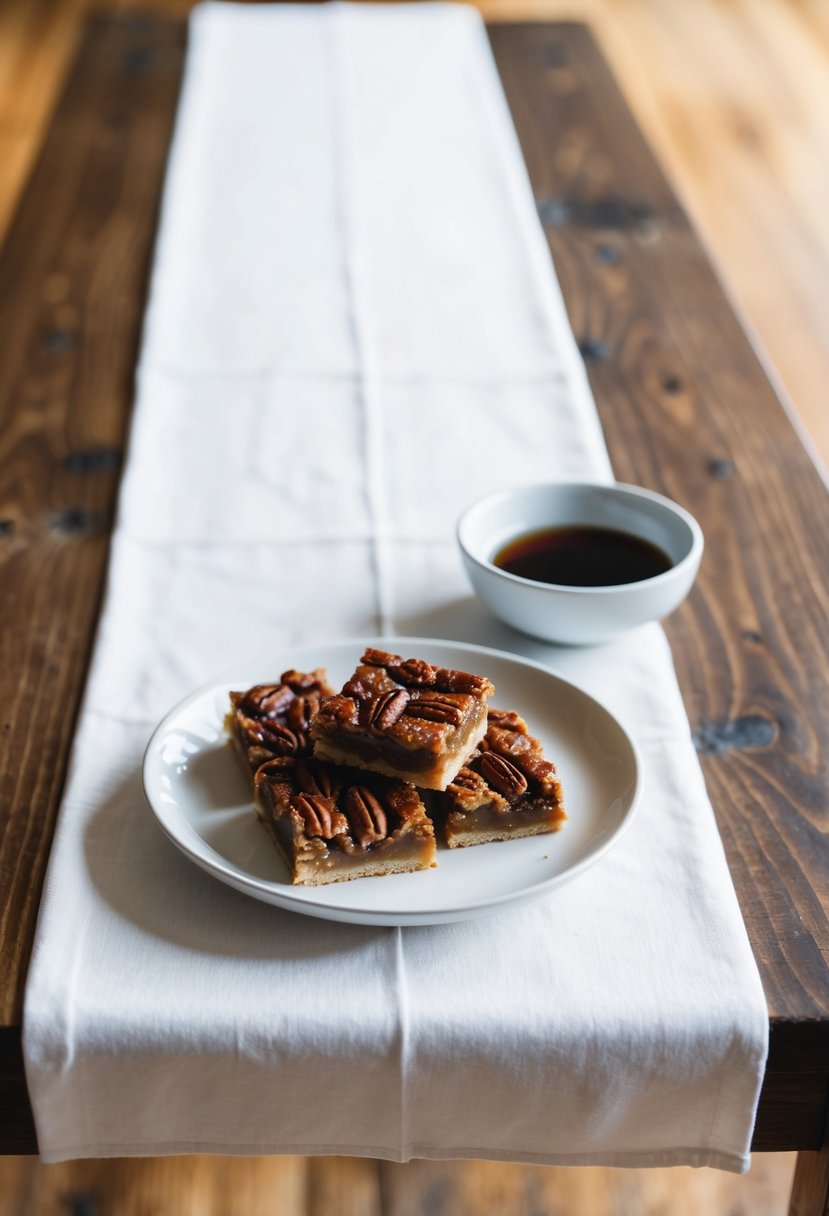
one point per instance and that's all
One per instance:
(353, 330)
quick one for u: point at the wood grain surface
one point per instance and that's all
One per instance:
(72, 275)
(810, 1185)
(686, 409)
(334, 1186)
(733, 97)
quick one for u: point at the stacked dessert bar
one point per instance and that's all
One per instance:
(354, 784)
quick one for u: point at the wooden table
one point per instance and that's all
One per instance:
(687, 409)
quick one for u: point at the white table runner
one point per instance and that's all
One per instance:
(353, 331)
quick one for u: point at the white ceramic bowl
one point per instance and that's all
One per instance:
(578, 615)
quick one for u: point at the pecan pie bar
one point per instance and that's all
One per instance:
(331, 823)
(506, 790)
(406, 719)
(274, 719)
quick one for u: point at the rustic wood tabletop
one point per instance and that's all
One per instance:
(687, 409)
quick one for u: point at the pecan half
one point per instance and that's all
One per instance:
(505, 719)
(258, 757)
(366, 815)
(316, 813)
(543, 771)
(416, 672)
(299, 681)
(278, 738)
(261, 732)
(274, 768)
(502, 775)
(433, 707)
(313, 778)
(388, 707)
(465, 779)
(464, 681)
(301, 712)
(336, 709)
(379, 658)
(363, 700)
(266, 700)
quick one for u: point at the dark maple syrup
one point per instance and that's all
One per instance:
(582, 556)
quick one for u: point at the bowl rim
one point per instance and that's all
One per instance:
(691, 558)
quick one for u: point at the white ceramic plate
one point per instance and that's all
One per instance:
(201, 798)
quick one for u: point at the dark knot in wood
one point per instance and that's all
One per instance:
(58, 341)
(6, 527)
(721, 470)
(139, 61)
(78, 521)
(94, 460)
(81, 1205)
(553, 212)
(672, 385)
(608, 213)
(606, 255)
(752, 730)
(556, 55)
(593, 350)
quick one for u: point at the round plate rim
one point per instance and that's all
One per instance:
(264, 891)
